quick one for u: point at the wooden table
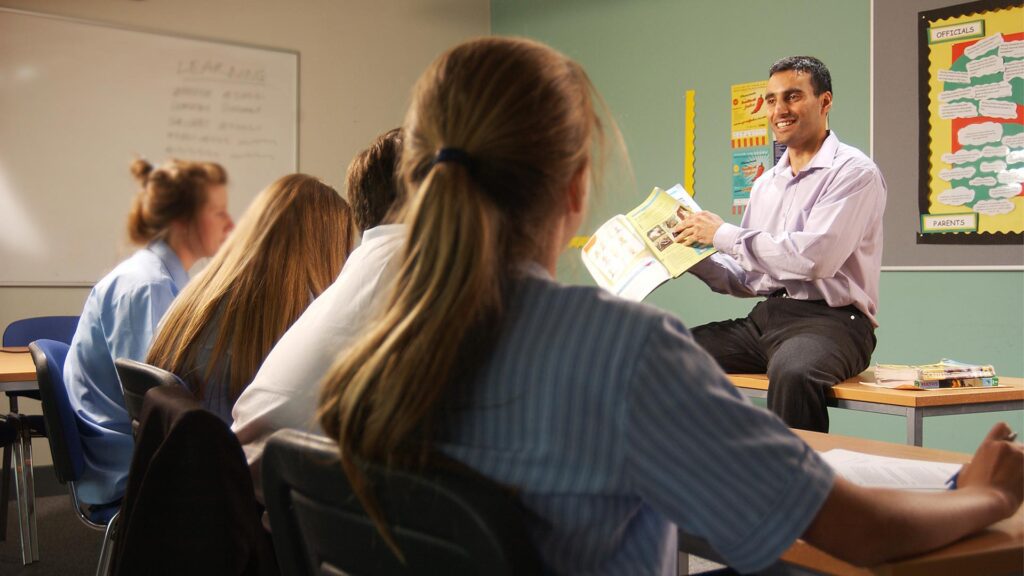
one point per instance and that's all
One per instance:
(17, 372)
(997, 550)
(915, 405)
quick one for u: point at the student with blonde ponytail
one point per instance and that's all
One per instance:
(289, 246)
(607, 419)
(178, 217)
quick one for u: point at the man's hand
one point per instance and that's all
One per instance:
(697, 228)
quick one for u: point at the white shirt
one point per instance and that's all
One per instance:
(285, 391)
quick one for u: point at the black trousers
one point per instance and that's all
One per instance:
(803, 346)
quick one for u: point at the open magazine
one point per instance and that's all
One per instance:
(632, 255)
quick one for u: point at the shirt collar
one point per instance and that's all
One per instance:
(534, 269)
(822, 159)
(382, 230)
(170, 261)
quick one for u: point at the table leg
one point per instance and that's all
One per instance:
(915, 426)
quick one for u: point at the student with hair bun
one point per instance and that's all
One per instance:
(178, 217)
(289, 246)
(604, 416)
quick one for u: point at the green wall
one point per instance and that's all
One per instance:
(644, 55)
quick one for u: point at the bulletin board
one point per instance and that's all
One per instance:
(971, 111)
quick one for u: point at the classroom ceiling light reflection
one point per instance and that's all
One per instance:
(19, 234)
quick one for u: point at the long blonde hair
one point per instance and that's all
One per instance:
(516, 121)
(287, 249)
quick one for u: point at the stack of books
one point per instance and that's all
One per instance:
(945, 374)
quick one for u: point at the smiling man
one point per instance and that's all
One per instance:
(811, 243)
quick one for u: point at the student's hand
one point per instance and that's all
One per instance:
(998, 464)
(697, 228)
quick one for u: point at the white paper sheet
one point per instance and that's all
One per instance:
(886, 472)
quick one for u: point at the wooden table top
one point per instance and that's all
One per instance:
(1010, 388)
(16, 366)
(999, 549)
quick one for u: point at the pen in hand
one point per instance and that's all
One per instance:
(951, 483)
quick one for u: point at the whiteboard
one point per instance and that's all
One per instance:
(78, 100)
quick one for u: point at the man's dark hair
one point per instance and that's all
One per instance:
(821, 80)
(371, 181)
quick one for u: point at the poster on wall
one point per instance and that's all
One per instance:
(750, 140)
(972, 124)
(748, 164)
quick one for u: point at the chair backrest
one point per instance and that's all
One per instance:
(59, 328)
(136, 379)
(189, 506)
(61, 423)
(444, 522)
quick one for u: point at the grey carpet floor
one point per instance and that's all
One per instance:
(66, 546)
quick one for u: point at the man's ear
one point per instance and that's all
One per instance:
(826, 102)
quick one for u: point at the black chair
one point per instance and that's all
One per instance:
(189, 505)
(445, 522)
(136, 379)
(66, 443)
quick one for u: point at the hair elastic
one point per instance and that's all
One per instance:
(457, 155)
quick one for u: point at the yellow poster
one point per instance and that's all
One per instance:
(749, 115)
(971, 185)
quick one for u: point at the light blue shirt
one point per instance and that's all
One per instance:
(818, 233)
(615, 427)
(119, 321)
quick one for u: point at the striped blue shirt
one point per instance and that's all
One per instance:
(616, 427)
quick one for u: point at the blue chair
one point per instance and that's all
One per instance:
(21, 429)
(23, 332)
(65, 442)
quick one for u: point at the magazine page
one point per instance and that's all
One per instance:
(621, 262)
(654, 219)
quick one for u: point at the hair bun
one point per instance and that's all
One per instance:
(141, 169)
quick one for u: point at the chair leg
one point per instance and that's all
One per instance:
(5, 492)
(21, 493)
(103, 568)
(30, 494)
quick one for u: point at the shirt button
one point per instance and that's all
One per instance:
(852, 317)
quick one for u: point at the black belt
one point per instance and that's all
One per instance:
(780, 293)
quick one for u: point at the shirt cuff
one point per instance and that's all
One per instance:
(725, 237)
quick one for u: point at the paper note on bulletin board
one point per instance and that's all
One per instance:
(972, 97)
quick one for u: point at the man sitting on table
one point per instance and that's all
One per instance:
(811, 242)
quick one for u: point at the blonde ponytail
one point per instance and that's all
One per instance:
(496, 130)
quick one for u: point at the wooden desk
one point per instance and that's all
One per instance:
(915, 405)
(997, 550)
(17, 372)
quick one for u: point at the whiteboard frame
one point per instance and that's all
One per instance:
(157, 32)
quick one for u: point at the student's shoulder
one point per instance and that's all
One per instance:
(142, 273)
(597, 302)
